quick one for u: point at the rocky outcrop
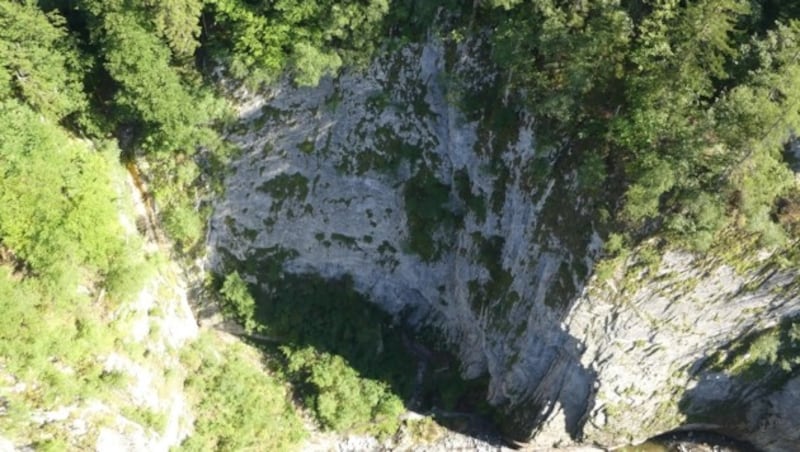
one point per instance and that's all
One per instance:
(425, 183)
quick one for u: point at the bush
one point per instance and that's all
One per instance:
(238, 406)
(238, 301)
(340, 399)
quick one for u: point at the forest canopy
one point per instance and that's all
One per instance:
(682, 106)
(687, 104)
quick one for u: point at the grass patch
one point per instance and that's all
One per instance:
(147, 418)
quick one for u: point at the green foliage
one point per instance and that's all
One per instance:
(259, 41)
(65, 263)
(147, 418)
(770, 355)
(350, 367)
(314, 63)
(678, 109)
(592, 173)
(183, 224)
(178, 23)
(412, 20)
(57, 204)
(53, 347)
(238, 406)
(505, 4)
(614, 244)
(561, 54)
(688, 103)
(238, 301)
(177, 185)
(425, 430)
(39, 61)
(703, 215)
(340, 398)
(426, 209)
(290, 309)
(151, 90)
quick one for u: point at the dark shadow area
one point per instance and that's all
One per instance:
(690, 440)
(298, 311)
(306, 310)
(749, 389)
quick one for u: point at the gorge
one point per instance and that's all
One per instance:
(435, 215)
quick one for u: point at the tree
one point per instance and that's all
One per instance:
(178, 23)
(238, 301)
(39, 61)
(685, 103)
(260, 41)
(58, 208)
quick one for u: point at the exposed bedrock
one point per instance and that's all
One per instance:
(426, 184)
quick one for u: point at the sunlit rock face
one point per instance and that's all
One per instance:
(425, 183)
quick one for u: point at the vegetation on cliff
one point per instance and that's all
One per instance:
(683, 107)
(676, 115)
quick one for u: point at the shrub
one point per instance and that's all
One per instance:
(340, 399)
(238, 301)
(238, 406)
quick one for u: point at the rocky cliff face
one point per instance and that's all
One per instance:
(426, 184)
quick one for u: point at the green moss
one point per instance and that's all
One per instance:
(306, 147)
(475, 203)
(499, 187)
(284, 187)
(344, 240)
(388, 153)
(426, 210)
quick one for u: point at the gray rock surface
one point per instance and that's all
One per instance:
(325, 172)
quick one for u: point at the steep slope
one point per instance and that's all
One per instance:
(119, 384)
(453, 216)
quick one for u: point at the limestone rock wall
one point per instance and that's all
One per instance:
(446, 211)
